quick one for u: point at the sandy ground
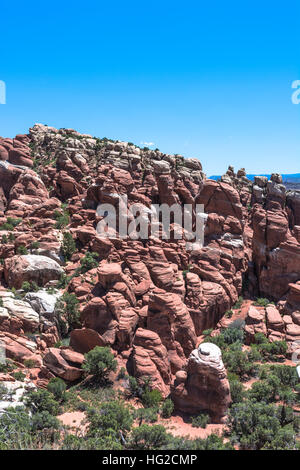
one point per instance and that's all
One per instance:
(180, 428)
(176, 425)
(74, 419)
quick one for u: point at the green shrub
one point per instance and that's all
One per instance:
(72, 442)
(134, 388)
(15, 429)
(89, 261)
(212, 442)
(29, 286)
(68, 246)
(200, 421)
(99, 362)
(22, 250)
(35, 245)
(151, 398)
(7, 366)
(112, 418)
(237, 361)
(264, 391)
(29, 363)
(82, 406)
(256, 426)
(239, 303)
(63, 281)
(232, 335)
(67, 312)
(149, 415)
(167, 408)
(44, 420)
(62, 218)
(41, 400)
(228, 313)
(58, 387)
(207, 332)
(19, 376)
(122, 373)
(6, 226)
(262, 302)
(10, 224)
(14, 222)
(236, 391)
(286, 374)
(270, 351)
(276, 383)
(147, 437)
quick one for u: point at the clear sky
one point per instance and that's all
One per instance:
(210, 80)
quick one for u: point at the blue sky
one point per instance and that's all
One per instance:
(210, 80)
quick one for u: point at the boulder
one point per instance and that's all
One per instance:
(56, 362)
(35, 268)
(20, 310)
(255, 323)
(109, 273)
(85, 339)
(42, 302)
(19, 348)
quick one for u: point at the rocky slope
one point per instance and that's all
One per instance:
(149, 300)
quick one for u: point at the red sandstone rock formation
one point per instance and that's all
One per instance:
(146, 299)
(203, 385)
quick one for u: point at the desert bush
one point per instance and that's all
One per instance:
(10, 224)
(41, 400)
(89, 261)
(67, 312)
(44, 420)
(207, 332)
(29, 363)
(151, 398)
(167, 408)
(232, 335)
(57, 387)
(147, 437)
(236, 390)
(22, 250)
(99, 362)
(34, 245)
(68, 246)
(19, 376)
(122, 373)
(255, 426)
(200, 421)
(148, 415)
(62, 218)
(262, 302)
(239, 303)
(111, 418)
(29, 286)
